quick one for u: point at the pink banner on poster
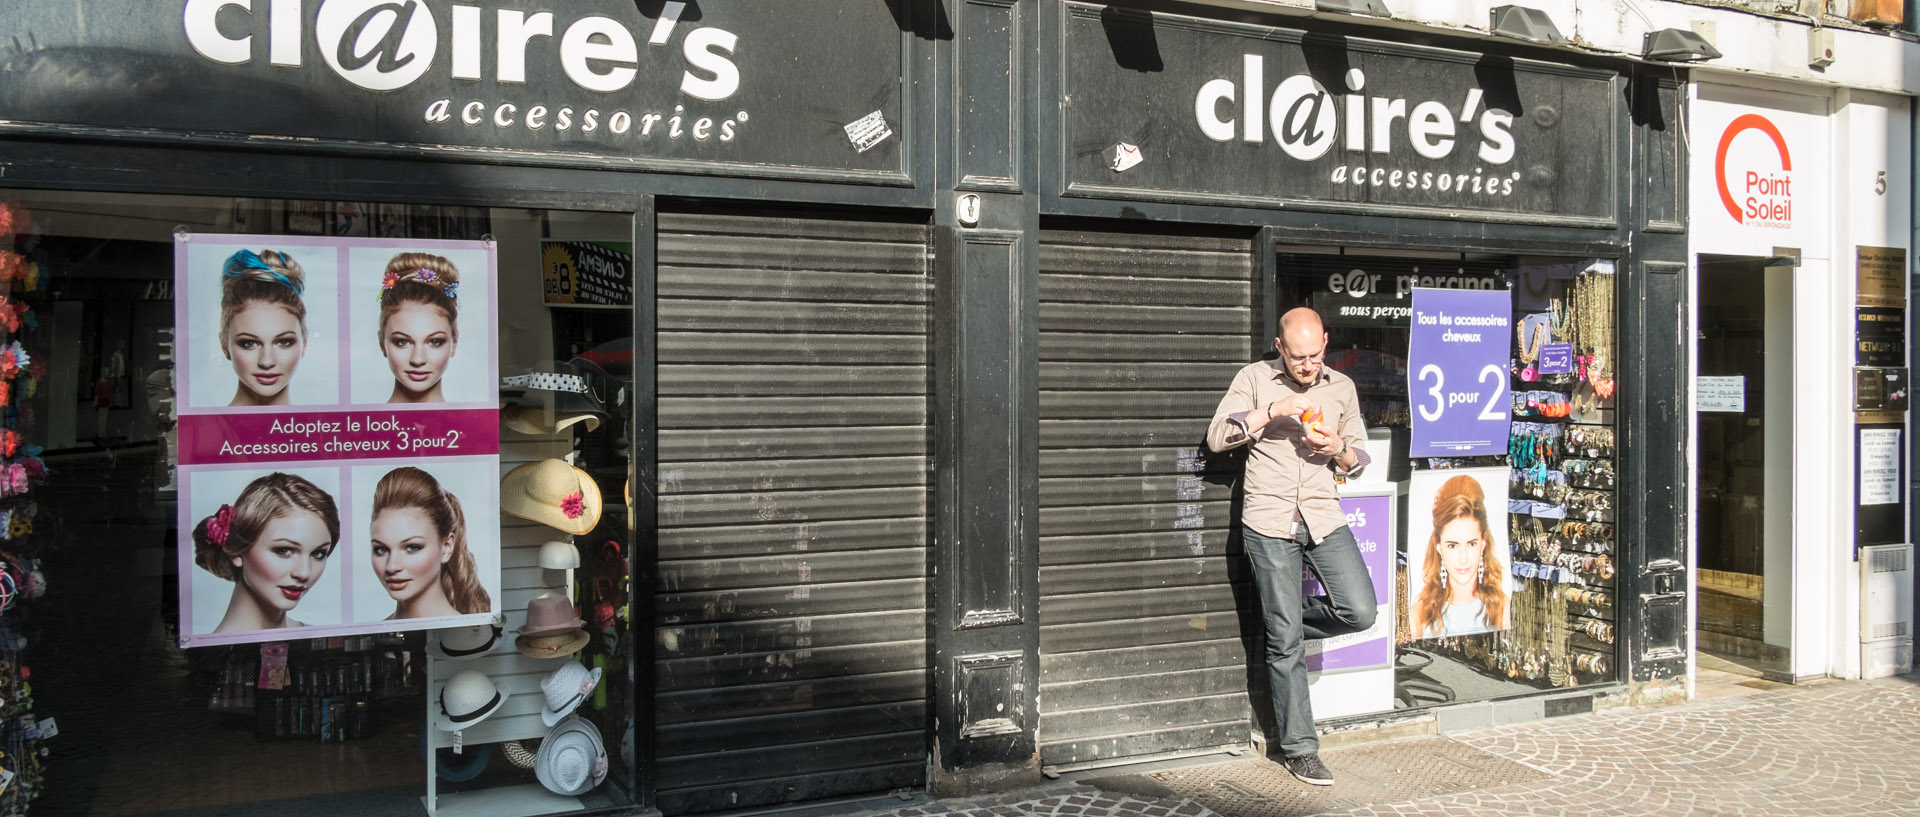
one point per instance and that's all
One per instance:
(224, 439)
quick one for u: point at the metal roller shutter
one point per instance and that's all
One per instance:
(791, 602)
(1140, 629)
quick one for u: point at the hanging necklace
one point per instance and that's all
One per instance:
(1529, 352)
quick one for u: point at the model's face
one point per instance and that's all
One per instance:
(265, 342)
(407, 552)
(418, 342)
(287, 560)
(1462, 548)
(1303, 354)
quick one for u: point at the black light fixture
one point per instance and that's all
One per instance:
(1677, 45)
(1522, 23)
(1370, 8)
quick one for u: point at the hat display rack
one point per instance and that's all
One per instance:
(525, 682)
(21, 469)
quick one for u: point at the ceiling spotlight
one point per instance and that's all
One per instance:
(1677, 45)
(1522, 23)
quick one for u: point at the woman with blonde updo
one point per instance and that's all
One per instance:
(263, 324)
(1463, 583)
(419, 324)
(419, 548)
(272, 543)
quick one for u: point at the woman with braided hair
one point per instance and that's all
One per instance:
(419, 324)
(272, 543)
(419, 548)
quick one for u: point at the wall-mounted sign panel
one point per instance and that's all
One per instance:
(1758, 177)
(1258, 115)
(713, 82)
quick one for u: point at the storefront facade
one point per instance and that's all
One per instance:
(893, 332)
(1800, 234)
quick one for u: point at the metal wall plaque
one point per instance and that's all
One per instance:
(1881, 274)
(1880, 336)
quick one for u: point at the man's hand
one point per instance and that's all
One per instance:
(1327, 444)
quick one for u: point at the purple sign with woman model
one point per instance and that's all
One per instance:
(338, 428)
(1370, 519)
(1457, 372)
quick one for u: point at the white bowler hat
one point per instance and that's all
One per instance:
(559, 555)
(467, 699)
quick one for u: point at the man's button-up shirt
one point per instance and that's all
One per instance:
(1284, 479)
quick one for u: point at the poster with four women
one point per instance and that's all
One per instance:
(339, 435)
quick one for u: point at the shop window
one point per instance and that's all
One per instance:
(1534, 609)
(237, 425)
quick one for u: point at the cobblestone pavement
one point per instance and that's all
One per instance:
(1833, 748)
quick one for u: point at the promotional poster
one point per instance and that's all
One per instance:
(338, 433)
(1457, 359)
(1458, 568)
(1370, 519)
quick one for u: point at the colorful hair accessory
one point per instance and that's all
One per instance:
(6, 525)
(418, 276)
(19, 524)
(244, 262)
(32, 280)
(9, 442)
(13, 265)
(9, 316)
(219, 524)
(573, 506)
(14, 220)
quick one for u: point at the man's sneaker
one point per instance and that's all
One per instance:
(1309, 770)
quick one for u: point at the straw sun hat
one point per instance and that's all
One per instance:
(552, 493)
(464, 643)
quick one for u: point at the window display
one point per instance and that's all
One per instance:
(1507, 568)
(391, 451)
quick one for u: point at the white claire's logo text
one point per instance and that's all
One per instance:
(1306, 120)
(387, 45)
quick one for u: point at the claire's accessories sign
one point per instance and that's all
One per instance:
(664, 80)
(1228, 113)
(339, 435)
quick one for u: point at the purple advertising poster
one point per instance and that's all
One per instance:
(1370, 518)
(339, 436)
(1457, 372)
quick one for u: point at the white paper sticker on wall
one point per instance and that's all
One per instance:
(868, 131)
(1123, 156)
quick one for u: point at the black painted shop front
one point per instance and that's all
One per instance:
(930, 303)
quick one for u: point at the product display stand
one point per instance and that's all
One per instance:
(521, 579)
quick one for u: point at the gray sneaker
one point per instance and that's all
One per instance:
(1309, 770)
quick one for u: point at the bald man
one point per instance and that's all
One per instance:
(1291, 514)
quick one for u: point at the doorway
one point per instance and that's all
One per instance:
(1744, 494)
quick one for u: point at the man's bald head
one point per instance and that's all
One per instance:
(1302, 344)
(1302, 323)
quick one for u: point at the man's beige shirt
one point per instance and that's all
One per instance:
(1282, 475)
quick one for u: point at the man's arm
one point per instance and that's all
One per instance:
(1353, 434)
(1231, 419)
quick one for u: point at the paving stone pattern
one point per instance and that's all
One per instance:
(1837, 748)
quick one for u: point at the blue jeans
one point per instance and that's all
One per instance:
(1287, 618)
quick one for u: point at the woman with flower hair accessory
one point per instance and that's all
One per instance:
(263, 324)
(272, 543)
(419, 324)
(419, 548)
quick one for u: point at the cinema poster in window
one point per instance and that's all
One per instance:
(339, 435)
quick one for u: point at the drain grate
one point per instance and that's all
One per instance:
(1365, 775)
